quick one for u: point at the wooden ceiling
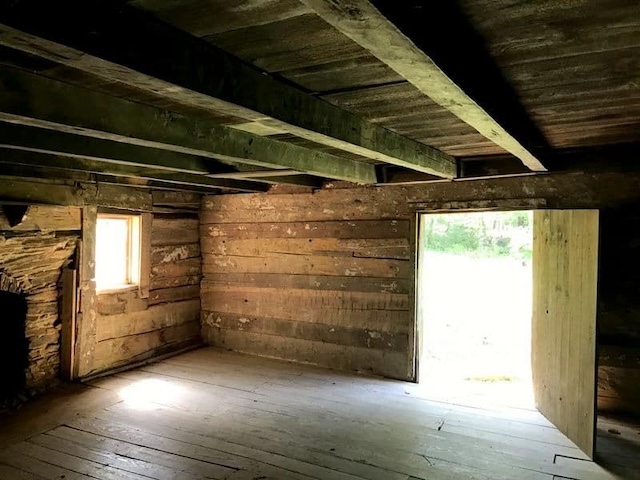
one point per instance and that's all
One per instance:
(233, 95)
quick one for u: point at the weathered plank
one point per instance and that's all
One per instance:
(365, 25)
(121, 351)
(86, 318)
(371, 203)
(176, 199)
(156, 317)
(284, 308)
(180, 268)
(337, 335)
(68, 322)
(174, 231)
(394, 248)
(172, 253)
(122, 301)
(174, 294)
(307, 265)
(49, 218)
(389, 364)
(116, 196)
(312, 300)
(30, 159)
(313, 282)
(340, 229)
(146, 220)
(563, 351)
(250, 95)
(158, 283)
(66, 111)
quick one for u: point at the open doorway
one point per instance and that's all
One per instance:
(475, 304)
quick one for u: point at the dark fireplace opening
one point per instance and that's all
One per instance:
(14, 347)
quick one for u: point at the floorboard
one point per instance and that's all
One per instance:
(211, 414)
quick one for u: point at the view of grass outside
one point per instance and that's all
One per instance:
(475, 296)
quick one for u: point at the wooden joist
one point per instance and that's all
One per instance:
(33, 100)
(364, 24)
(26, 162)
(162, 60)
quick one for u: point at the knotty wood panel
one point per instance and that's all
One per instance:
(565, 272)
(323, 278)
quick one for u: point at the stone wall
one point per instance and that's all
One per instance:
(32, 255)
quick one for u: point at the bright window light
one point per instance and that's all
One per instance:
(117, 251)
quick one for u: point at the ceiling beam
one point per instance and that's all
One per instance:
(36, 101)
(78, 146)
(366, 25)
(46, 162)
(120, 44)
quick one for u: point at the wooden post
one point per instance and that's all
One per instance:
(86, 319)
(145, 254)
(68, 330)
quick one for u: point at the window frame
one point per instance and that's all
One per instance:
(134, 253)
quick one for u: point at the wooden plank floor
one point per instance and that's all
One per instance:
(210, 414)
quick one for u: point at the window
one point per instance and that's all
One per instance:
(117, 251)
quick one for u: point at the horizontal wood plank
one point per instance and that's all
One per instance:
(392, 248)
(390, 364)
(351, 229)
(324, 205)
(308, 265)
(180, 268)
(159, 283)
(172, 253)
(174, 294)
(351, 337)
(121, 351)
(313, 282)
(154, 318)
(174, 231)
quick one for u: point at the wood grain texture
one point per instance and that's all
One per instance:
(236, 417)
(574, 65)
(49, 218)
(565, 273)
(327, 272)
(135, 325)
(68, 312)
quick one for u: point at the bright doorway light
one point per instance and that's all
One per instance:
(474, 298)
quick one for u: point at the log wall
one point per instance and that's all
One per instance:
(327, 277)
(323, 279)
(131, 327)
(32, 255)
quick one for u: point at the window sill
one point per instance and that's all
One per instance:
(112, 290)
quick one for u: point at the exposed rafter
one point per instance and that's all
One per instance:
(32, 160)
(366, 25)
(37, 101)
(123, 45)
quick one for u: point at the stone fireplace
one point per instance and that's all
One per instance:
(31, 263)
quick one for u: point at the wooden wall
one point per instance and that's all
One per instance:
(130, 328)
(323, 279)
(619, 310)
(317, 277)
(32, 255)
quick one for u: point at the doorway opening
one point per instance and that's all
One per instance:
(474, 306)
